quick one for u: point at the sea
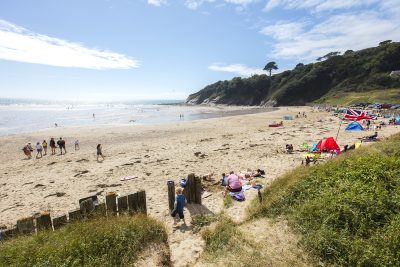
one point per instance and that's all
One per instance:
(24, 115)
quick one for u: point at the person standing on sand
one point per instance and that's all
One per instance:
(99, 152)
(53, 146)
(76, 144)
(180, 202)
(44, 145)
(27, 151)
(39, 149)
(61, 145)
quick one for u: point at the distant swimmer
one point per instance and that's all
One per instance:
(94, 116)
(55, 124)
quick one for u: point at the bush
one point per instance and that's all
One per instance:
(100, 242)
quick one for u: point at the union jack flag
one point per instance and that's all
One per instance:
(357, 115)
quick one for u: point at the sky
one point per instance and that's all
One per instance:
(112, 50)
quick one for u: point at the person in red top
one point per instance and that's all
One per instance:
(233, 185)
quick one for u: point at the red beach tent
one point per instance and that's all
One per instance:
(328, 144)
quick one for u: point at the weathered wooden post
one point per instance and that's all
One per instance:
(100, 209)
(197, 190)
(122, 204)
(142, 202)
(86, 207)
(111, 203)
(171, 194)
(133, 203)
(43, 222)
(75, 215)
(189, 190)
(60, 221)
(9, 233)
(26, 225)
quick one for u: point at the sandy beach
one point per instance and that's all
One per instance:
(155, 154)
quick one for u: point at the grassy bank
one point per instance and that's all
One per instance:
(100, 242)
(346, 211)
(374, 96)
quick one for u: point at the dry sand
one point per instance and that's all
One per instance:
(156, 154)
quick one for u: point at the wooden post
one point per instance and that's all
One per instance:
(94, 198)
(171, 194)
(60, 221)
(133, 203)
(9, 233)
(26, 225)
(111, 203)
(122, 204)
(86, 207)
(43, 222)
(142, 202)
(197, 190)
(75, 215)
(100, 209)
(189, 190)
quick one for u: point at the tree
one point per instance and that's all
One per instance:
(385, 42)
(271, 66)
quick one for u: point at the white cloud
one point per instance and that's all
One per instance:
(318, 5)
(239, 69)
(19, 44)
(194, 4)
(336, 33)
(283, 30)
(157, 2)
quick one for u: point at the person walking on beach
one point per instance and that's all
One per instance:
(61, 145)
(180, 202)
(53, 146)
(27, 151)
(44, 145)
(39, 149)
(99, 152)
(76, 144)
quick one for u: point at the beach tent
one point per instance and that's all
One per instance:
(314, 147)
(354, 126)
(397, 120)
(328, 144)
(287, 118)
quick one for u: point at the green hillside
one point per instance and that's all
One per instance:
(346, 211)
(354, 75)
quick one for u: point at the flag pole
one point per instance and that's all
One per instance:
(337, 134)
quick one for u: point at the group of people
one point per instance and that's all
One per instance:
(41, 147)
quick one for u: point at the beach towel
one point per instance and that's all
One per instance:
(246, 187)
(239, 196)
(257, 186)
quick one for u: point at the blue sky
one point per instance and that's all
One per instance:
(165, 49)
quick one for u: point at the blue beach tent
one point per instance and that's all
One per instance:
(397, 120)
(354, 126)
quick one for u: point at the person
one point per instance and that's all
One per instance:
(55, 124)
(76, 144)
(53, 146)
(39, 149)
(224, 179)
(234, 184)
(289, 148)
(368, 124)
(373, 137)
(30, 147)
(99, 152)
(44, 145)
(27, 151)
(61, 145)
(180, 202)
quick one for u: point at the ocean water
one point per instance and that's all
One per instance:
(22, 116)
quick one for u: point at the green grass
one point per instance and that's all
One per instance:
(374, 96)
(347, 210)
(113, 241)
(200, 221)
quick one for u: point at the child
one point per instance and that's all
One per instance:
(39, 149)
(44, 145)
(77, 144)
(99, 152)
(179, 205)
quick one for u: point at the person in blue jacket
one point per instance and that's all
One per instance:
(180, 202)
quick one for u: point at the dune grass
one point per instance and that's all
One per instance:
(346, 211)
(113, 241)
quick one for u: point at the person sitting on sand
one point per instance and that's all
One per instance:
(39, 149)
(99, 152)
(27, 151)
(224, 179)
(76, 144)
(373, 137)
(180, 202)
(53, 146)
(234, 184)
(44, 145)
(289, 148)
